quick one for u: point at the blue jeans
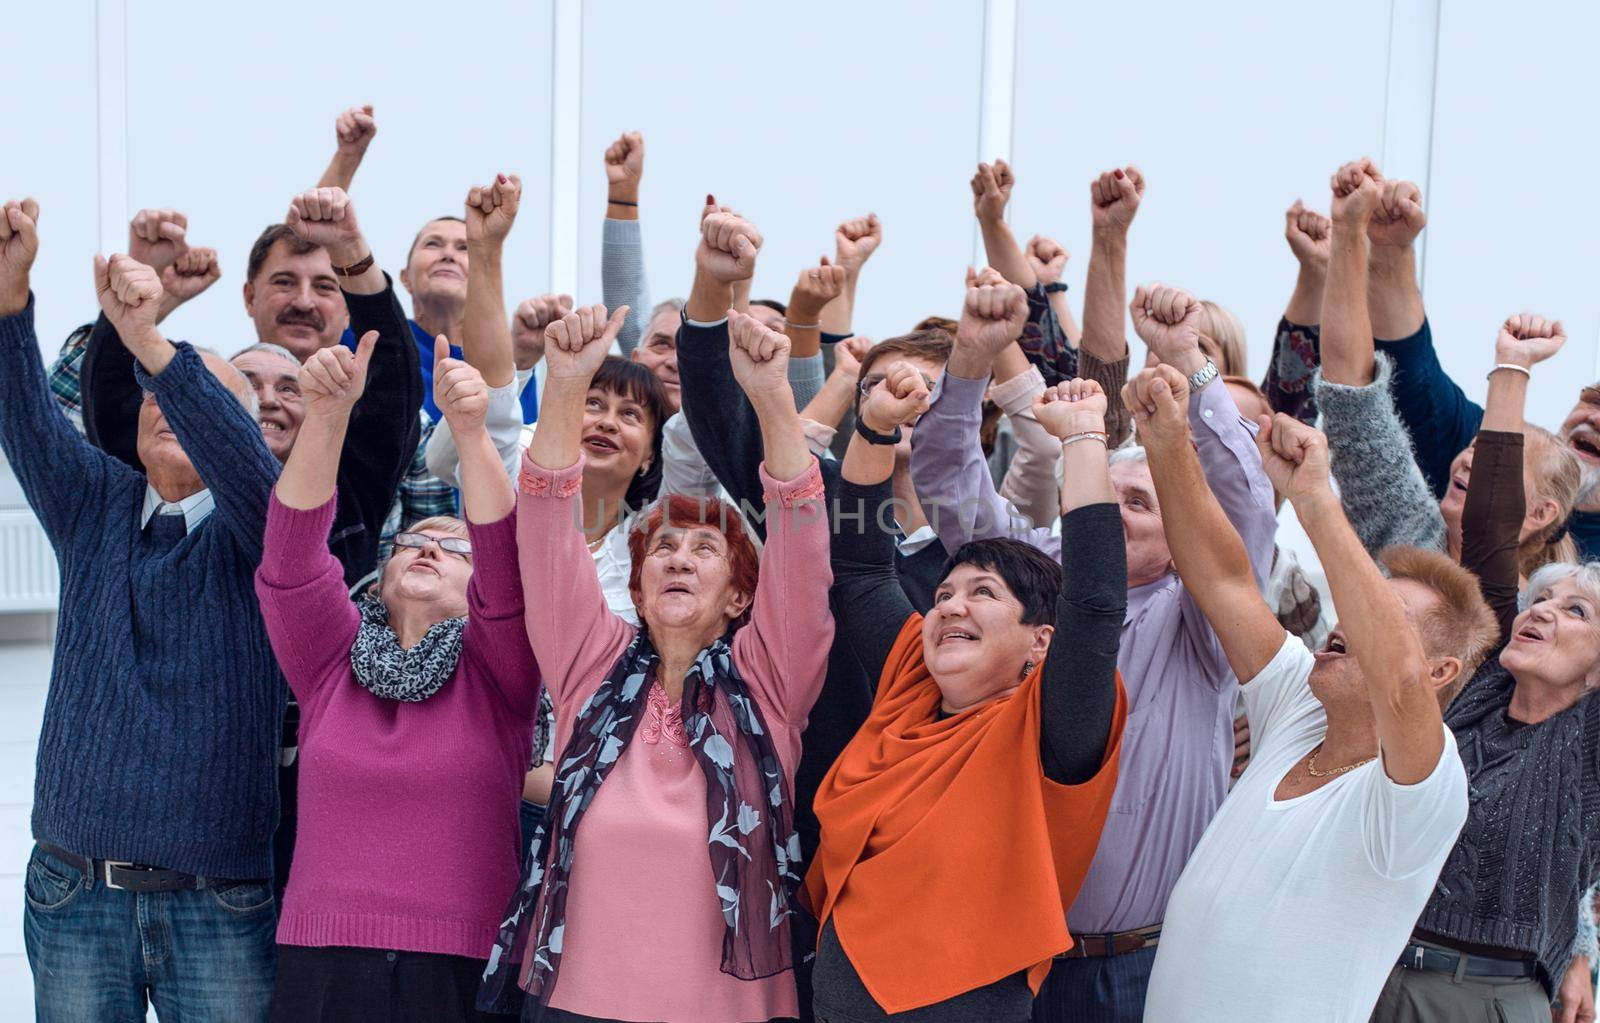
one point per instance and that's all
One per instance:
(98, 953)
(1100, 989)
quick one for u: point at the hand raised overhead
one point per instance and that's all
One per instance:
(1168, 320)
(577, 343)
(333, 379)
(993, 313)
(991, 190)
(854, 241)
(191, 273)
(1308, 233)
(760, 357)
(625, 165)
(19, 244)
(325, 216)
(1114, 198)
(130, 295)
(157, 238)
(533, 315)
(816, 287)
(728, 244)
(897, 400)
(1399, 217)
(355, 129)
(847, 355)
(1047, 258)
(1357, 189)
(458, 390)
(492, 208)
(1295, 457)
(1158, 399)
(1526, 340)
(1072, 406)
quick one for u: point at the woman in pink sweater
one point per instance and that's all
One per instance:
(659, 885)
(417, 708)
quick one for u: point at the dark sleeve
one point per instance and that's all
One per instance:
(869, 607)
(1078, 697)
(111, 395)
(721, 419)
(1296, 354)
(384, 425)
(1045, 343)
(1491, 522)
(1439, 417)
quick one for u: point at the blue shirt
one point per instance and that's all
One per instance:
(530, 393)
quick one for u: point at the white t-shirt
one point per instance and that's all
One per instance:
(1297, 910)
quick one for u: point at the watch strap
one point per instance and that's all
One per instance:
(872, 436)
(357, 268)
(1203, 376)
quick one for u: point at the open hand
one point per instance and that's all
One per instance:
(1526, 340)
(492, 208)
(458, 390)
(333, 379)
(1072, 406)
(576, 344)
(1114, 198)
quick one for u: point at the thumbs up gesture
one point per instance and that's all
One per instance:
(458, 390)
(333, 379)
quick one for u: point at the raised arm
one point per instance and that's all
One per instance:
(1048, 258)
(991, 191)
(159, 238)
(854, 242)
(838, 394)
(1347, 353)
(1393, 296)
(1206, 549)
(816, 288)
(1113, 201)
(622, 277)
(485, 331)
(1296, 350)
(353, 130)
(1399, 678)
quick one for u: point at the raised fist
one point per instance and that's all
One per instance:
(1072, 406)
(333, 378)
(458, 390)
(625, 165)
(991, 190)
(576, 344)
(1158, 399)
(993, 314)
(728, 244)
(491, 209)
(324, 216)
(1526, 340)
(528, 324)
(130, 296)
(19, 244)
(1047, 258)
(1168, 320)
(759, 354)
(854, 241)
(847, 355)
(1294, 455)
(355, 129)
(1399, 217)
(157, 238)
(1114, 198)
(1357, 189)
(897, 400)
(817, 286)
(1308, 233)
(194, 271)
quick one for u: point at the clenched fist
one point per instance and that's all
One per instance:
(1168, 320)
(1357, 189)
(492, 208)
(1114, 198)
(325, 217)
(1047, 258)
(1295, 457)
(1308, 233)
(193, 272)
(458, 390)
(1526, 340)
(759, 354)
(817, 286)
(847, 356)
(528, 324)
(333, 379)
(1399, 217)
(991, 190)
(728, 244)
(157, 238)
(897, 400)
(576, 344)
(1158, 399)
(625, 167)
(130, 295)
(354, 129)
(19, 244)
(854, 241)
(1072, 406)
(993, 314)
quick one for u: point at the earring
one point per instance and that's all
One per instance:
(1027, 668)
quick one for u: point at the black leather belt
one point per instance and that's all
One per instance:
(1441, 960)
(137, 877)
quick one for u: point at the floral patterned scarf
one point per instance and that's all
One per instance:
(751, 842)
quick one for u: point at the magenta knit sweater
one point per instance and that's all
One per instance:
(408, 811)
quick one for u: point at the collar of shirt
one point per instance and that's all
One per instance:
(914, 542)
(194, 508)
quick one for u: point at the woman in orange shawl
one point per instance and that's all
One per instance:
(959, 822)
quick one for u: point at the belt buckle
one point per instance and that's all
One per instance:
(106, 866)
(1416, 958)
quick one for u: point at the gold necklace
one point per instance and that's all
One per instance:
(1311, 765)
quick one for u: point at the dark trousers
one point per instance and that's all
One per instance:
(103, 954)
(1423, 996)
(1100, 989)
(371, 985)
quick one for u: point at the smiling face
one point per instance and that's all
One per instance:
(436, 268)
(276, 382)
(974, 640)
(1149, 558)
(658, 352)
(686, 581)
(617, 435)
(427, 577)
(1581, 433)
(1556, 641)
(295, 300)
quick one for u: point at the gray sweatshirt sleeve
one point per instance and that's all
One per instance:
(1371, 457)
(806, 377)
(622, 279)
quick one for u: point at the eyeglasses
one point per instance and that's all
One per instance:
(461, 548)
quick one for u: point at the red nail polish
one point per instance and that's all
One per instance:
(502, 178)
(1117, 174)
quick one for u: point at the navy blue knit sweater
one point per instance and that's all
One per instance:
(162, 722)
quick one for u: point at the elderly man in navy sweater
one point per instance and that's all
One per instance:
(156, 793)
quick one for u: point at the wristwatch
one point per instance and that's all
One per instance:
(1204, 375)
(1055, 286)
(872, 436)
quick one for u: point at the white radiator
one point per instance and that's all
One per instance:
(28, 577)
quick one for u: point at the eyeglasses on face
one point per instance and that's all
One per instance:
(459, 546)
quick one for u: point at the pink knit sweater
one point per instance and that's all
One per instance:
(408, 811)
(644, 930)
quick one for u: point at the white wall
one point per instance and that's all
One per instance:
(800, 117)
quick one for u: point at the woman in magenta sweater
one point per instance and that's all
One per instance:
(417, 706)
(659, 886)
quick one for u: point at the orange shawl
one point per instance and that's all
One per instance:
(948, 859)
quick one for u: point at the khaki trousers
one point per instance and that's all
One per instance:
(1418, 996)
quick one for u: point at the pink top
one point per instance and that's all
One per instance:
(643, 938)
(408, 811)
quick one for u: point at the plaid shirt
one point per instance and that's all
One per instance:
(66, 383)
(422, 494)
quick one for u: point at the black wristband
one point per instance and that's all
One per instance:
(829, 338)
(872, 436)
(620, 202)
(1055, 286)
